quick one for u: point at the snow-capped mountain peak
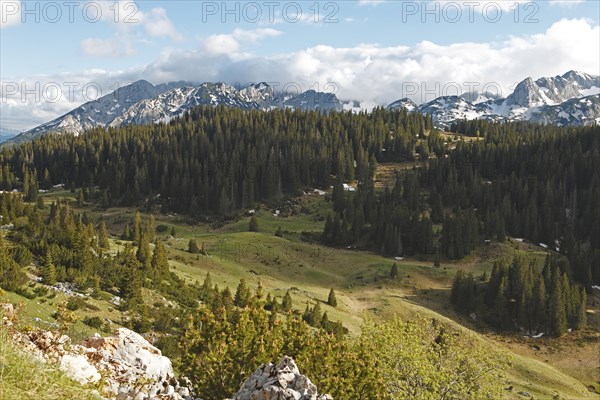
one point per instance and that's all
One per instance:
(143, 103)
(570, 99)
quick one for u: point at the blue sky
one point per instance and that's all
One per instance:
(369, 49)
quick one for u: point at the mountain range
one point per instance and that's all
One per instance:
(570, 99)
(143, 103)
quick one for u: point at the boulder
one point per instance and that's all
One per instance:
(7, 314)
(279, 382)
(78, 368)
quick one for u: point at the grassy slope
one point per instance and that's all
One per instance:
(362, 287)
(22, 377)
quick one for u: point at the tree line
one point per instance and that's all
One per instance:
(214, 161)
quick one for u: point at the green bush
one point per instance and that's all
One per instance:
(75, 303)
(162, 228)
(94, 322)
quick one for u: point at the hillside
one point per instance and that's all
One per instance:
(407, 268)
(362, 285)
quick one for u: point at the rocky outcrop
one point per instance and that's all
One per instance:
(279, 382)
(130, 368)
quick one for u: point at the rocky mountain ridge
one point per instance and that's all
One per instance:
(143, 103)
(570, 99)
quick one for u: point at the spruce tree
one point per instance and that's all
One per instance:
(558, 317)
(137, 227)
(286, 303)
(581, 316)
(193, 246)
(253, 225)
(126, 235)
(103, 236)
(242, 295)
(143, 252)
(324, 321)
(80, 198)
(540, 313)
(207, 288)
(151, 228)
(160, 260)
(48, 270)
(279, 232)
(331, 299)
(315, 314)
(394, 271)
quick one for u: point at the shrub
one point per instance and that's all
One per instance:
(94, 322)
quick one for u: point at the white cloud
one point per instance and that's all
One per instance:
(158, 24)
(489, 8)
(128, 19)
(368, 72)
(232, 43)
(566, 3)
(10, 13)
(221, 44)
(370, 2)
(113, 47)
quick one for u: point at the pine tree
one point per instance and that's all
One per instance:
(286, 303)
(253, 225)
(273, 315)
(151, 228)
(207, 288)
(558, 317)
(242, 295)
(126, 235)
(80, 198)
(193, 247)
(143, 252)
(324, 321)
(436, 260)
(540, 313)
(457, 287)
(307, 314)
(316, 315)
(258, 295)
(160, 260)
(48, 270)
(131, 285)
(227, 299)
(331, 299)
(173, 232)
(394, 271)
(103, 236)
(137, 227)
(581, 316)
(500, 303)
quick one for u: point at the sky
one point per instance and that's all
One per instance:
(56, 55)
